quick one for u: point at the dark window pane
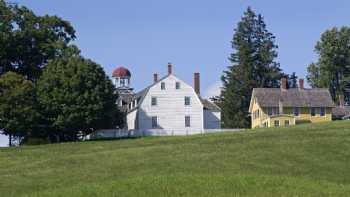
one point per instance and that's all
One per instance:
(154, 101)
(187, 100)
(187, 121)
(154, 122)
(322, 111)
(177, 85)
(313, 111)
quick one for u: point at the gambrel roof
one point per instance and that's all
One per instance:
(293, 97)
(208, 105)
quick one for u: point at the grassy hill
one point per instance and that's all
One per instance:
(308, 160)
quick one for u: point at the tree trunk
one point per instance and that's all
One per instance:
(10, 140)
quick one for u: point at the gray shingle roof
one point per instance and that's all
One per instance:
(293, 97)
(209, 105)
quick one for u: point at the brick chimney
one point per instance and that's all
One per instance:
(197, 83)
(170, 68)
(284, 84)
(341, 100)
(155, 77)
(301, 83)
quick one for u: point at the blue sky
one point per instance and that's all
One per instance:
(194, 35)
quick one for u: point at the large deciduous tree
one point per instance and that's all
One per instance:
(332, 70)
(253, 66)
(18, 114)
(76, 96)
(28, 41)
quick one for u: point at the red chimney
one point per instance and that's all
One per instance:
(341, 100)
(155, 77)
(301, 83)
(170, 68)
(197, 83)
(283, 83)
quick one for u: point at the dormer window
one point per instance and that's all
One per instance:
(313, 111)
(162, 86)
(296, 111)
(322, 111)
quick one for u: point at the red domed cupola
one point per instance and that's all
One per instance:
(121, 72)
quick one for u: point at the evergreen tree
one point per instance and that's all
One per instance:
(292, 81)
(253, 66)
(76, 97)
(332, 70)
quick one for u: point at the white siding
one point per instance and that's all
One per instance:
(171, 109)
(131, 120)
(212, 119)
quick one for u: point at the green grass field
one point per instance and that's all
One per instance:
(308, 160)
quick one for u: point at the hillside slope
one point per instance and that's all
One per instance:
(309, 160)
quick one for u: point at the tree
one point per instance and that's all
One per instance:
(76, 96)
(253, 66)
(332, 70)
(18, 114)
(28, 41)
(292, 80)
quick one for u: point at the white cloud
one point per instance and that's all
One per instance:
(213, 90)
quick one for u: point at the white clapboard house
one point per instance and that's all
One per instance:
(170, 106)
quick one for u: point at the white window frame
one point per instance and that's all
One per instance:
(189, 100)
(286, 121)
(187, 121)
(177, 85)
(153, 98)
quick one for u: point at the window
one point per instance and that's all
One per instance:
(187, 121)
(313, 111)
(277, 123)
(258, 114)
(122, 82)
(177, 85)
(269, 111)
(162, 86)
(322, 111)
(154, 101)
(286, 123)
(264, 124)
(154, 122)
(187, 100)
(296, 111)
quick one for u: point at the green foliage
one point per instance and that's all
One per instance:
(76, 96)
(253, 66)
(332, 70)
(292, 80)
(28, 41)
(306, 160)
(18, 115)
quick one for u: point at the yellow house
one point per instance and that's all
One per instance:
(279, 107)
